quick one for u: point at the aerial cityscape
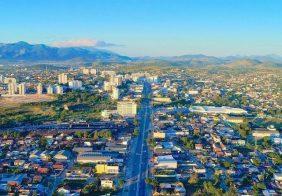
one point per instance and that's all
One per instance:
(160, 109)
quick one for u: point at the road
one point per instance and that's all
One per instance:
(101, 125)
(138, 161)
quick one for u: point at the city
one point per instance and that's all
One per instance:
(141, 98)
(171, 131)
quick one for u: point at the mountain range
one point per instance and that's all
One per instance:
(25, 53)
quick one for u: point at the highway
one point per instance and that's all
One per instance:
(137, 166)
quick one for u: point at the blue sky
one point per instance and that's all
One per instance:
(148, 27)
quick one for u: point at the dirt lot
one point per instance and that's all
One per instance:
(12, 101)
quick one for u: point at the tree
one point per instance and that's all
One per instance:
(136, 132)
(231, 191)
(194, 179)
(256, 162)
(95, 136)
(226, 164)
(188, 144)
(42, 142)
(210, 189)
(120, 183)
(79, 134)
(152, 182)
(90, 188)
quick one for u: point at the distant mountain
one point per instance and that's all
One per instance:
(198, 60)
(25, 52)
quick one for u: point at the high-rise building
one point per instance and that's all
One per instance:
(59, 90)
(116, 80)
(115, 93)
(127, 108)
(86, 71)
(22, 88)
(11, 82)
(12, 88)
(1, 78)
(93, 71)
(50, 90)
(63, 78)
(107, 86)
(39, 89)
(75, 84)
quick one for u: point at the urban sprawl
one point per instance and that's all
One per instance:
(121, 130)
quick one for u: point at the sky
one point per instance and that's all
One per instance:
(148, 27)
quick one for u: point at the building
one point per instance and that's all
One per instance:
(39, 89)
(22, 88)
(261, 132)
(75, 84)
(115, 93)
(162, 99)
(93, 157)
(106, 113)
(234, 119)
(59, 90)
(159, 134)
(167, 162)
(127, 108)
(93, 71)
(10, 80)
(116, 80)
(107, 184)
(217, 110)
(63, 78)
(50, 90)
(86, 71)
(108, 73)
(62, 155)
(107, 86)
(12, 88)
(106, 169)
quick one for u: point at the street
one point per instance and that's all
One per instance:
(138, 163)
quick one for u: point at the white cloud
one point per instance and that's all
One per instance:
(83, 43)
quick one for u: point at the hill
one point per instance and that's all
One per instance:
(25, 52)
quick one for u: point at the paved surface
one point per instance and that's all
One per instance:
(138, 160)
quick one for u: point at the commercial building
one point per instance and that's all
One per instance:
(106, 113)
(88, 71)
(62, 155)
(167, 162)
(107, 86)
(75, 84)
(59, 90)
(106, 169)
(107, 183)
(63, 78)
(22, 89)
(12, 88)
(10, 80)
(261, 132)
(39, 89)
(115, 93)
(92, 157)
(50, 90)
(127, 108)
(116, 80)
(217, 110)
